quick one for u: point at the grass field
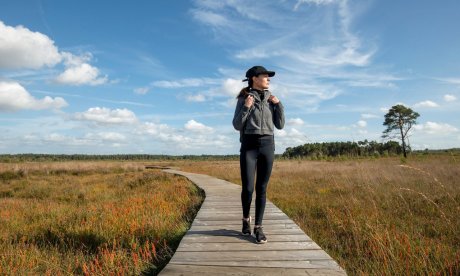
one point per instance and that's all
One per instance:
(375, 216)
(92, 218)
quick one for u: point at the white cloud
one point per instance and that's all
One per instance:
(106, 136)
(289, 137)
(197, 138)
(14, 96)
(195, 126)
(104, 115)
(361, 123)
(316, 2)
(450, 80)
(23, 48)
(450, 98)
(295, 122)
(426, 104)
(189, 82)
(210, 18)
(79, 71)
(369, 116)
(20, 48)
(306, 49)
(56, 138)
(196, 98)
(232, 87)
(436, 128)
(142, 90)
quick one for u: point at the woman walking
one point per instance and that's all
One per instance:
(257, 113)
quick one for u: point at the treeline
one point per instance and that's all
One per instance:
(30, 157)
(344, 149)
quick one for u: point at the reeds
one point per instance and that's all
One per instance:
(374, 216)
(91, 218)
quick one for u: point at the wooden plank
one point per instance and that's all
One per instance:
(266, 222)
(254, 255)
(318, 264)
(214, 244)
(177, 269)
(238, 238)
(237, 227)
(238, 216)
(230, 232)
(247, 246)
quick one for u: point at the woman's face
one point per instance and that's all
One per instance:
(261, 82)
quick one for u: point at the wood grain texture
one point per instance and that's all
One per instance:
(214, 244)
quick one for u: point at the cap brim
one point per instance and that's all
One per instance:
(246, 79)
(269, 73)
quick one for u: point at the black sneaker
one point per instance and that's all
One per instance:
(260, 236)
(246, 227)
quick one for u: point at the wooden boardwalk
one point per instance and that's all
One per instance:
(214, 246)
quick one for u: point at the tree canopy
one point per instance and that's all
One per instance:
(348, 149)
(399, 121)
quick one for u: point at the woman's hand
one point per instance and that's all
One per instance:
(249, 101)
(273, 99)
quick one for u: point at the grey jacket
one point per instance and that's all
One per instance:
(260, 117)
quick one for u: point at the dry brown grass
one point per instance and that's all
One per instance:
(90, 217)
(378, 217)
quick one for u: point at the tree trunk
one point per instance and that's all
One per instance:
(403, 139)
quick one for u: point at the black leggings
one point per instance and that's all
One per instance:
(257, 155)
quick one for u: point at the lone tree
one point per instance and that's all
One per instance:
(399, 119)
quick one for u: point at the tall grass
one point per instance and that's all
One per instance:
(91, 218)
(376, 216)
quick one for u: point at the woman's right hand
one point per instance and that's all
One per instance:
(249, 101)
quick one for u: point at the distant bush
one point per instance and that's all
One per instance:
(344, 149)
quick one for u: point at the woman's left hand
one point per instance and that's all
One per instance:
(273, 99)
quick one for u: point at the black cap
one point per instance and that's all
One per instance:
(257, 70)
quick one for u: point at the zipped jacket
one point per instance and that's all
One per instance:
(261, 117)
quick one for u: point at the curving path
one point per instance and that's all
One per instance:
(213, 245)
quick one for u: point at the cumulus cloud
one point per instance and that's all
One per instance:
(426, 104)
(195, 140)
(14, 96)
(295, 122)
(361, 123)
(436, 128)
(103, 115)
(289, 137)
(232, 87)
(22, 48)
(450, 98)
(79, 72)
(195, 126)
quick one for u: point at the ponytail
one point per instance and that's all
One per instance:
(245, 91)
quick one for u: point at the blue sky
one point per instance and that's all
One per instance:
(160, 77)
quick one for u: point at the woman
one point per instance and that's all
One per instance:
(257, 111)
